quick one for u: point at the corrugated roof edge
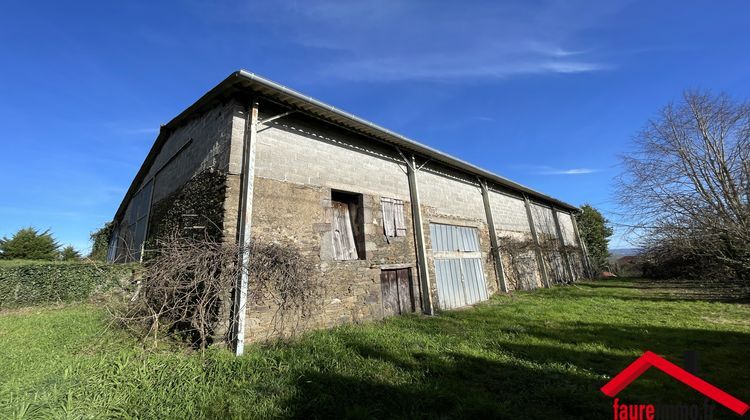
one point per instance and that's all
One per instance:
(247, 79)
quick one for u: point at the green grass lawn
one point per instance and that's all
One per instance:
(541, 354)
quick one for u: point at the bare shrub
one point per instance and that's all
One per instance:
(189, 282)
(184, 291)
(279, 277)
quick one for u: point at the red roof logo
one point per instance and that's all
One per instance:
(649, 359)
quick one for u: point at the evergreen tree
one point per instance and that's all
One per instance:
(70, 254)
(595, 232)
(29, 244)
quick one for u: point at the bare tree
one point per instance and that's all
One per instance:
(687, 185)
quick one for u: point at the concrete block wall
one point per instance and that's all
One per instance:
(450, 196)
(543, 221)
(209, 137)
(566, 226)
(306, 152)
(238, 125)
(512, 226)
(509, 213)
(200, 144)
(575, 256)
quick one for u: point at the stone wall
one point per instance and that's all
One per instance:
(299, 214)
(299, 163)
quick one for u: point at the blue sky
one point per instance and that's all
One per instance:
(547, 93)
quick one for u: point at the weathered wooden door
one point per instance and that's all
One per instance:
(343, 236)
(458, 265)
(397, 291)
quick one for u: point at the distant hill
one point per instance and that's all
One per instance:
(624, 252)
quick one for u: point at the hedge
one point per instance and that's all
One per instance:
(25, 283)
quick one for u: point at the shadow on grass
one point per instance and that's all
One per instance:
(453, 386)
(518, 380)
(494, 362)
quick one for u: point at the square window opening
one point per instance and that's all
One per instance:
(394, 222)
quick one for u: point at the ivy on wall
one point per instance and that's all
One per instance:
(196, 210)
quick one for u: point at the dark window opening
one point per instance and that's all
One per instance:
(348, 226)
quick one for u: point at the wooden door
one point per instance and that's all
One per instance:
(396, 288)
(389, 288)
(405, 295)
(343, 236)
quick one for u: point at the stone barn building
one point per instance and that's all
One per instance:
(392, 226)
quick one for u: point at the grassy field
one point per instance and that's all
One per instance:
(541, 354)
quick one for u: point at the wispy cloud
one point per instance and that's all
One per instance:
(450, 68)
(573, 171)
(389, 40)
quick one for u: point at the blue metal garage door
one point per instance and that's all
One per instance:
(458, 265)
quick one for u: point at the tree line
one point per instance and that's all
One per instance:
(30, 243)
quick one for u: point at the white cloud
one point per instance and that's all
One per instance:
(573, 171)
(440, 67)
(392, 40)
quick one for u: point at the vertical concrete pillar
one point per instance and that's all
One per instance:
(537, 246)
(494, 243)
(245, 221)
(416, 215)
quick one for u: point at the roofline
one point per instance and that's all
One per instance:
(242, 80)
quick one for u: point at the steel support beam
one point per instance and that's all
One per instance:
(275, 117)
(494, 243)
(537, 246)
(245, 221)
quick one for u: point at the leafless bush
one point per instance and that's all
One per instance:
(185, 289)
(280, 278)
(189, 282)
